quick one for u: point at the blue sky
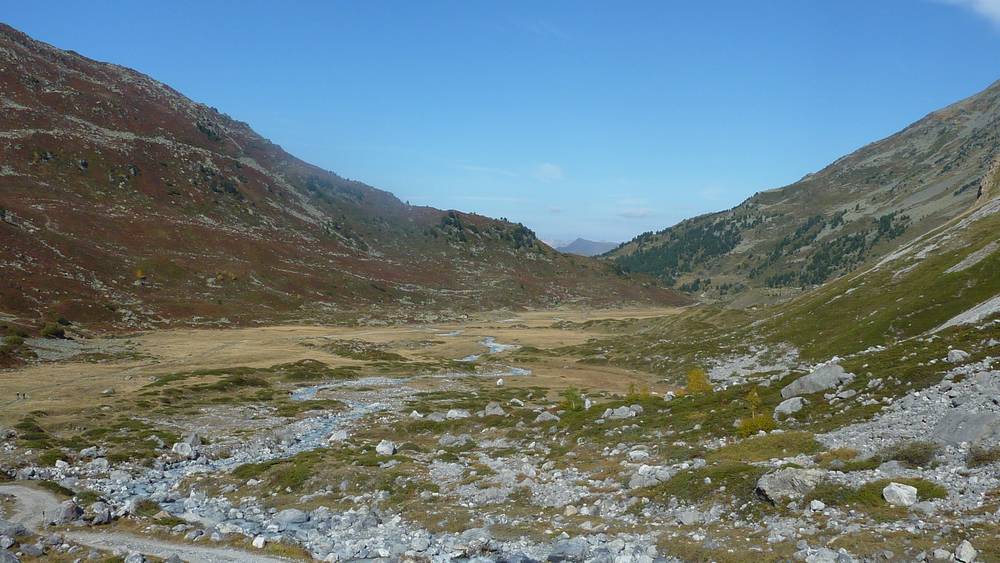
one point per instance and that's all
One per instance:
(597, 119)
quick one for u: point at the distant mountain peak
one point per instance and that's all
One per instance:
(584, 247)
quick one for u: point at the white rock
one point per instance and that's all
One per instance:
(500, 382)
(259, 542)
(817, 505)
(493, 409)
(965, 553)
(385, 447)
(824, 377)
(546, 416)
(789, 407)
(957, 356)
(183, 449)
(898, 494)
(638, 455)
(337, 436)
(455, 414)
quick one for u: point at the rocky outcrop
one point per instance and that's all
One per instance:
(788, 484)
(825, 377)
(789, 407)
(961, 426)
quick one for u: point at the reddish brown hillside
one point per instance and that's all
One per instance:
(124, 203)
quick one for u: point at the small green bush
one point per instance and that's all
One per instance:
(147, 508)
(761, 422)
(13, 341)
(572, 400)
(53, 330)
(979, 456)
(56, 488)
(912, 454)
(50, 457)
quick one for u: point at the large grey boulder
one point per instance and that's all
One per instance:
(967, 426)
(184, 450)
(12, 529)
(957, 356)
(68, 512)
(337, 436)
(788, 484)
(788, 407)
(100, 513)
(827, 555)
(898, 494)
(965, 553)
(619, 413)
(385, 447)
(572, 549)
(450, 440)
(546, 416)
(649, 475)
(290, 517)
(493, 409)
(8, 557)
(822, 378)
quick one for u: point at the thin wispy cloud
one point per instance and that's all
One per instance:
(989, 9)
(636, 213)
(548, 172)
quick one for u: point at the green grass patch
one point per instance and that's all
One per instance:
(868, 497)
(56, 489)
(739, 479)
(762, 448)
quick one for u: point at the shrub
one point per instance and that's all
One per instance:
(56, 488)
(754, 424)
(572, 399)
(50, 457)
(146, 508)
(697, 382)
(13, 341)
(979, 456)
(53, 330)
(912, 454)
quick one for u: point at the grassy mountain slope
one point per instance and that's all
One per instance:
(124, 203)
(922, 288)
(857, 209)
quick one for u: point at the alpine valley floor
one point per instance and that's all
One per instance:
(511, 436)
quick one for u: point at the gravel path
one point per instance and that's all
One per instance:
(33, 507)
